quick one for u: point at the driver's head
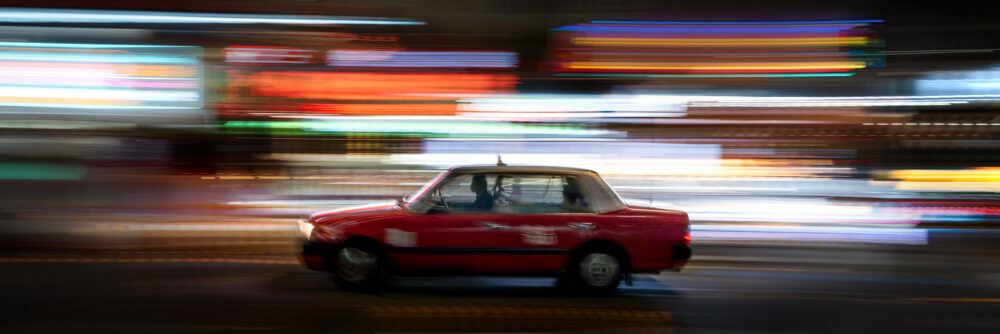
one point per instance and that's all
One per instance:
(478, 183)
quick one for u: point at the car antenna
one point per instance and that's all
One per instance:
(500, 161)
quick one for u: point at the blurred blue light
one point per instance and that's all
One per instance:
(96, 58)
(86, 46)
(121, 16)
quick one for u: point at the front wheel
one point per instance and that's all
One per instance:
(358, 268)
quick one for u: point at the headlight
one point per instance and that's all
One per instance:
(305, 228)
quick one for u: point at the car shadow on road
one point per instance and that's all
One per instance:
(470, 287)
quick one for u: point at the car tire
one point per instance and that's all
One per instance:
(596, 271)
(359, 267)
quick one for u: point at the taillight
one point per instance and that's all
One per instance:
(687, 235)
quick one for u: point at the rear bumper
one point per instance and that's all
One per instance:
(313, 255)
(681, 255)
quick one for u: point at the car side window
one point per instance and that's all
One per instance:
(467, 193)
(540, 194)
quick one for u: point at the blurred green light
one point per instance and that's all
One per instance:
(40, 171)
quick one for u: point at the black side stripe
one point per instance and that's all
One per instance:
(456, 250)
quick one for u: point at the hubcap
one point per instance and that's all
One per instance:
(355, 265)
(599, 269)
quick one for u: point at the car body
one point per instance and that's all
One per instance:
(500, 220)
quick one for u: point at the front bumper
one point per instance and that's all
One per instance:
(313, 255)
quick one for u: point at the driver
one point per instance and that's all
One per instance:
(484, 201)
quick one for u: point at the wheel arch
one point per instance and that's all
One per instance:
(365, 240)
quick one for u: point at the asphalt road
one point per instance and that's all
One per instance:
(253, 285)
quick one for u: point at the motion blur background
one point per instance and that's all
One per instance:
(803, 138)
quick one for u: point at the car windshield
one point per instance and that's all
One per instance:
(408, 201)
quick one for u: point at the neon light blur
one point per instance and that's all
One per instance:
(716, 49)
(380, 86)
(725, 42)
(854, 22)
(783, 75)
(985, 174)
(267, 55)
(421, 59)
(443, 128)
(122, 16)
(99, 76)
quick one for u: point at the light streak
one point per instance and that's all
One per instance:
(86, 45)
(409, 127)
(987, 174)
(422, 59)
(725, 42)
(706, 30)
(122, 16)
(675, 105)
(96, 58)
(377, 86)
(850, 22)
(905, 236)
(267, 55)
(756, 75)
(104, 94)
(719, 66)
(720, 48)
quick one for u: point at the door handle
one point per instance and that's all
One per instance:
(493, 226)
(581, 225)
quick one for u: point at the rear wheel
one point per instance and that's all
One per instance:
(359, 267)
(597, 271)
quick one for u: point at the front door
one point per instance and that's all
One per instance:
(461, 234)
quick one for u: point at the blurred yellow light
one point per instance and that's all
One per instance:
(171, 71)
(985, 174)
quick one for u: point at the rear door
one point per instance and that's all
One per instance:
(548, 217)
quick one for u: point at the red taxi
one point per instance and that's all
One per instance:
(500, 220)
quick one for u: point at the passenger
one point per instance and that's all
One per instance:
(572, 197)
(484, 201)
(505, 201)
